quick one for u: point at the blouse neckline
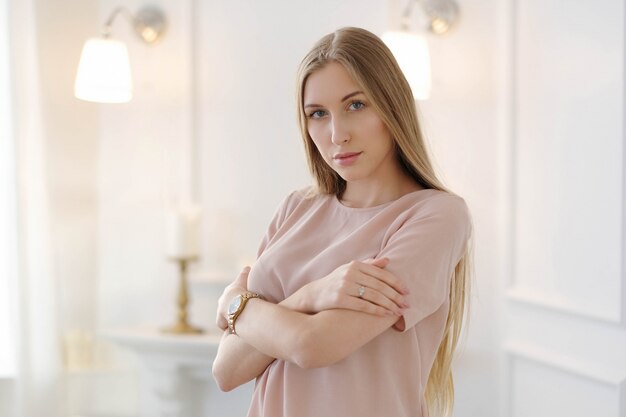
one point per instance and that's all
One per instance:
(342, 206)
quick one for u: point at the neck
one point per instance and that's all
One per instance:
(377, 191)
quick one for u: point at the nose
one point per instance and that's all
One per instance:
(340, 133)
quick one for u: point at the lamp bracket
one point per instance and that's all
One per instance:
(149, 22)
(440, 14)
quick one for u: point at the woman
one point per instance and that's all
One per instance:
(356, 301)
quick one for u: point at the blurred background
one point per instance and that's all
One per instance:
(98, 202)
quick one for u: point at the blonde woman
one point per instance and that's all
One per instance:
(356, 301)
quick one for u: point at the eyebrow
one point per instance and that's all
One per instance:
(342, 100)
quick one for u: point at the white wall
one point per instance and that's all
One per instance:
(250, 146)
(70, 129)
(564, 304)
(8, 204)
(71, 140)
(461, 125)
(140, 153)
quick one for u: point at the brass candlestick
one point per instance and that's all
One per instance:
(182, 326)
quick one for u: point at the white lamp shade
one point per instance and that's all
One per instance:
(411, 52)
(104, 74)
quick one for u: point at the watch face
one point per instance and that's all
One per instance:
(234, 305)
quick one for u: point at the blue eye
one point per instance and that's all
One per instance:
(317, 114)
(356, 105)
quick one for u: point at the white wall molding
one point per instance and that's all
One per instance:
(612, 380)
(623, 252)
(560, 361)
(558, 304)
(567, 233)
(562, 123)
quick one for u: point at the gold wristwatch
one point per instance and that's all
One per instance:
(236, 307)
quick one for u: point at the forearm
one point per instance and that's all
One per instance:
(290, 331)
(237, 362)
(272, 329)
(307, 340)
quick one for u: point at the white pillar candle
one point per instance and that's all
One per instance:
(183, 231)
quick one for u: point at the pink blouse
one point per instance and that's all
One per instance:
(424, 234)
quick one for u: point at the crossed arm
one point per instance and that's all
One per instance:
(340, 324)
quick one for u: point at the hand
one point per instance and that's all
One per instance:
(238, 286)
(361, 286)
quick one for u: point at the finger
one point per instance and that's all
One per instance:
(379, 279)
(242, 279)
(364, 306)
(374, 296)
(384, 276)
(221, 322)
(380, 262)
(384, 290)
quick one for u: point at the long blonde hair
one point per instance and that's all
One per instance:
(373, 67)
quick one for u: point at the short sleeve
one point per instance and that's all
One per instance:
(425, 250)
(281, 213)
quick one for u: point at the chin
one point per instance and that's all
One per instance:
(350, 176)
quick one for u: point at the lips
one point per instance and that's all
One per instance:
(346, 155)
(346, 158)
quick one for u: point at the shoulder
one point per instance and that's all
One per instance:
(305, 195)
(447, 203)
(295, 197)
(298, 198)
(442, 209)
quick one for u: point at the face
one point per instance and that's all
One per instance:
(345, 128)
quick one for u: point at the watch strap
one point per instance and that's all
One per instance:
(232, 318)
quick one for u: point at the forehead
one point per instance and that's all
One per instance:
(329, 84)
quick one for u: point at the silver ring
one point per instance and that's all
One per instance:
(361, 291)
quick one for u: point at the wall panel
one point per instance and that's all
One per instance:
(568, 130)
(549, 384)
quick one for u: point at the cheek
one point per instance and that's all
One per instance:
(379, 130)
(374, 125)
(319, 145)
(316, 132)
(370, 125)
(322, 151)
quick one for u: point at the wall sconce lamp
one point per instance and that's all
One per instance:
(411, 49)
(104, 73)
